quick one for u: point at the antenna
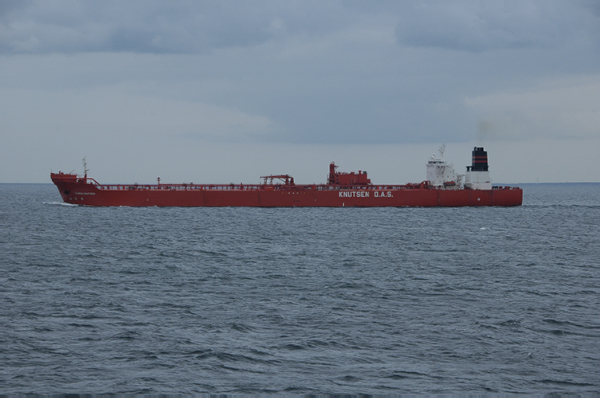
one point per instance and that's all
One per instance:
(442, 151)
(85, 169)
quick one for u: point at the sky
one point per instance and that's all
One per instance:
(228, 91)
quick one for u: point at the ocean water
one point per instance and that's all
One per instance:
(300, 301)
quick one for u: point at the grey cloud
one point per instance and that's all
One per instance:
(200, 26)
(156, 26)
(477, 26)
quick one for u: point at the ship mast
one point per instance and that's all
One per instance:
(85, 169)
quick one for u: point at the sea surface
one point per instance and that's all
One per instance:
(300, 301)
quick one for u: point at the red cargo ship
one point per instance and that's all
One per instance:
(443, 187)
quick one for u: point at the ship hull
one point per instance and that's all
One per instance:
(82, 192)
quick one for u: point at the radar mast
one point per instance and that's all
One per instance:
(85, 169)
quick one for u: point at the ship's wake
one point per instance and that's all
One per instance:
(60, 204)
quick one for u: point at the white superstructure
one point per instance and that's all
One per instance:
(440, 173)
(478, 180)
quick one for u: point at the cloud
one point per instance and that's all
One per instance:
(565, 108)
(477, 26)
(118, 115)
(193, 27)
(156, 26)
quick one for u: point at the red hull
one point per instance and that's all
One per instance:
(86, 191)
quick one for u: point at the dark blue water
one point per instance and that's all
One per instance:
(300, 301)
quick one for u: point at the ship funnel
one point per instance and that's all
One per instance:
(478, 174)
(480, 160)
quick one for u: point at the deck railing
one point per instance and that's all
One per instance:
(268, 187)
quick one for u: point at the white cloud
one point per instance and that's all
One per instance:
(115, 114)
